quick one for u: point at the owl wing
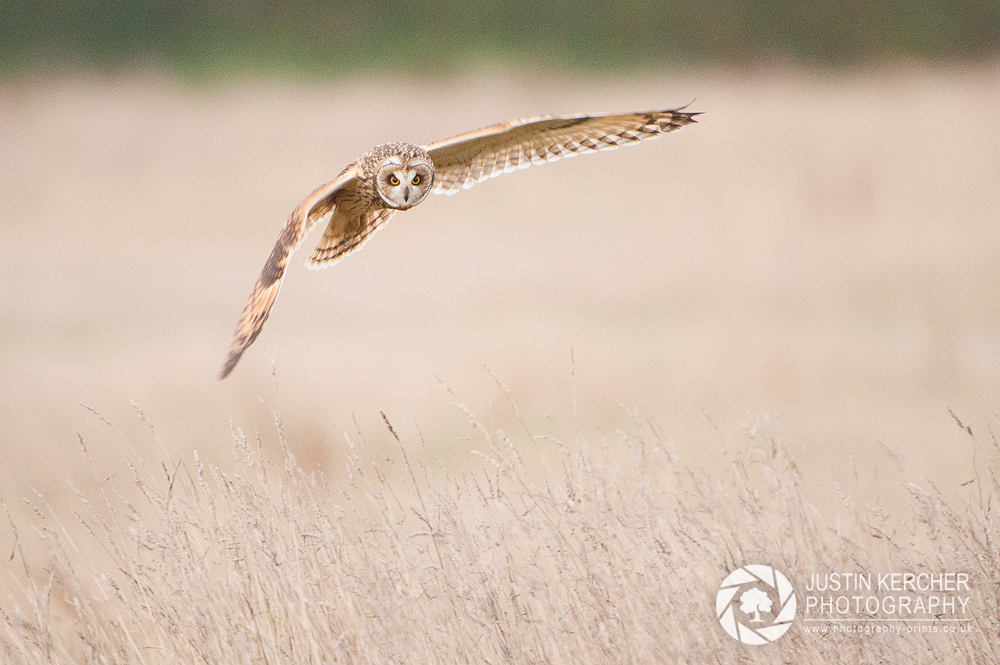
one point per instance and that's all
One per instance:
(259, 304)
(464, 160)
(347, 233)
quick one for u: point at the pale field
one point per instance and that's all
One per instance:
(823, 247)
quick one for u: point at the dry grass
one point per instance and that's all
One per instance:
(611, 551)
(820, 246)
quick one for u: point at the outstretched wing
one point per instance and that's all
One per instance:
(462, 161)
(346, 233)
(258, 306)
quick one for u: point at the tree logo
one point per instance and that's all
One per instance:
(756, 604)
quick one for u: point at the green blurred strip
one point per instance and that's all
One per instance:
(436, 35)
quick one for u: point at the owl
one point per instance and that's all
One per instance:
(398, 176)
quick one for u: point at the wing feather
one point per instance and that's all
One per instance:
(258, 307)
(462, 161)
(346, 234)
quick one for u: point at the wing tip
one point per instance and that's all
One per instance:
(229, 365)
(685, 116)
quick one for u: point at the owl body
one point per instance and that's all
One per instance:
(387, 178)
(397, 176)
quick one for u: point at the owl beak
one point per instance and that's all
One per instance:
(406, 195)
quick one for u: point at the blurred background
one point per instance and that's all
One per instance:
(823, 246)
(436, 37)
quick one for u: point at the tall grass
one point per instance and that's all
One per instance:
(568, 548)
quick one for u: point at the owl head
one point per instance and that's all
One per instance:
(405, 178)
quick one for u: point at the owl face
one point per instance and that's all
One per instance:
(403, 183)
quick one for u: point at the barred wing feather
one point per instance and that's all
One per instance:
(462, 161)
(261, 300)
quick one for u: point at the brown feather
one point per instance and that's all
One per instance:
(462, 161)
(347, 233)
(261, 300)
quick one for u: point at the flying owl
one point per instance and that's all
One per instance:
(398, 176)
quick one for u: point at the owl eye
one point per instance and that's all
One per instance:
(416, 179)
(393, 180)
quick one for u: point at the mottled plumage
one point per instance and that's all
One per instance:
(397, 176)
